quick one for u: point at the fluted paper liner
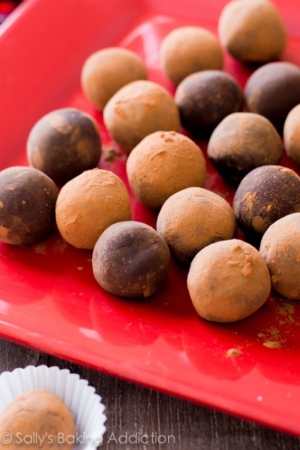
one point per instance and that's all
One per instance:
(85, 406)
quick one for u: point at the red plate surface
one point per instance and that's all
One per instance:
(49, 299)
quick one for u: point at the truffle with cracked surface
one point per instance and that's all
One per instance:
(280, 248)
(194, 218)
(228, 281)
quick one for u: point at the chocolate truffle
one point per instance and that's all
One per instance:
(107, 71)
(205, 98)
(164, 163)
(63, 144)
(265, 195)
(89, 204)
(194, 218)
(188, 50)
(280, 248)
(291, 134)
(242, 142)
(252, 31)
(273, 90)
(131, 259)
(228, 281)
(27, 205)
(139, 109)
(34, 420)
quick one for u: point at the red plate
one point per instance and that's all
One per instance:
(49, 298)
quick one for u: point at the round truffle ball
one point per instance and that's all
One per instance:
(164, 163)
(63, 144)
(188, 50)
(89, 204)
(265, 195)
(228, 281)
(273, 90)
(36, 418)
(280, 248)
(131, 259)
(205, 98)
(291, 134)
(27, 205)
(194, 218)
(107, 71)
(242, 142)
(139, 109)
(252, 31)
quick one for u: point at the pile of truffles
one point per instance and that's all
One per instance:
(228, 278)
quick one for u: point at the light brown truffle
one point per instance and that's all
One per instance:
(89, 204)
(188, 50)
(162, 164)
(139, 109)
(131, 259)
(252, 30)
(280, 248)
(107, 71)
(194, 218)
(228, 281)
(242, 142)
(291, 134)
(35, 416)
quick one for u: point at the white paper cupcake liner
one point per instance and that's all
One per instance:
(85, 406)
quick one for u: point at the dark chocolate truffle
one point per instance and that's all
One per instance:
(194, 218)
(35, 420)
(164, 163)
(107, 71)
(265, 195)
(273, 90)
(27, 205)
(242, 142)
(188, 50)
(291, 134)
(89, 204)
(228, 281)
(280, 248)
(63, 144)
(252, 31)
(205, 98)
(139, 109)
(131, 259)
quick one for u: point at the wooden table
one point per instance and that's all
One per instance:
(133, 409)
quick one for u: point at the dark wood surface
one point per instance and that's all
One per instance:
(133, 409)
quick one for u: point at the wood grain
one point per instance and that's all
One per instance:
(133, 409)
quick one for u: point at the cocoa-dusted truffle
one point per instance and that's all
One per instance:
(188, 50)
(194, 218)
(107, 71)
(291, 134)
(242, 142)
(37, 420)
(139, 109)
(205, 98)
(27, 205)
(252, 31)
(228, 281)
(162, 164)
(265, 195)
(63, 144)
(89, 204)
(273, 90)
(131, 259)
(280, 248)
